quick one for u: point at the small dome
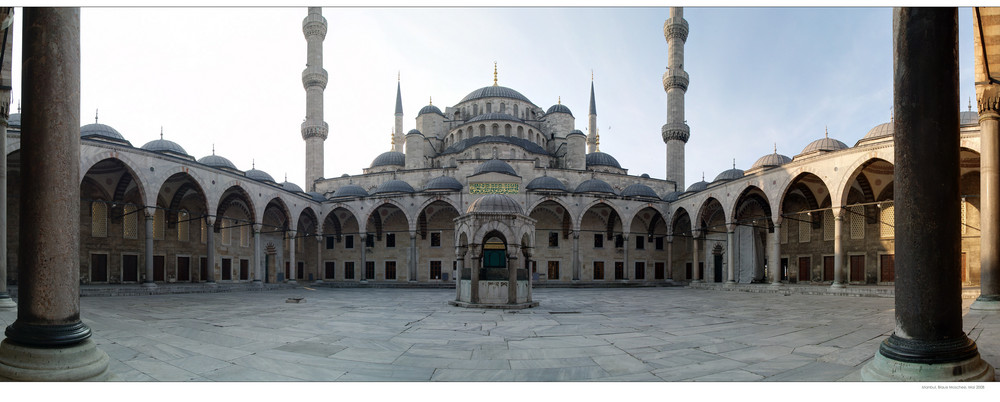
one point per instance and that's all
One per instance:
(495, 165)
(771, 160)
(644, 175)
(316, 196)
(559, 108)
(443, 183)
(696, 187)
(546, 183)
(414, 131)
(429, 109)
(602, 159)
(495, 204)
(965, 119)
(393, 186)
(494, 92)
(258, 175)
(494, 116)
(217, 161)
(879, 131)
(826, 144)
(350, 191)
(345, 175)
(672, 196)
(94, 130)
(731, 174)
(576, 132)
(167, 147)
(291, 187)
(390, 158)
(639, 190)
(14, 120)
(595, 186)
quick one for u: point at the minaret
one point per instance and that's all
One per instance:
(397, 136)
(592, 120)
(314, 78)
(675, 83)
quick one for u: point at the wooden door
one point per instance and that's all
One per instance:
(619, 270)
(828, 273)
(203, 269)
(244, 270)
(130, 268)
(857, 268)
(158, 271)
(718, 267)
(553, 274)
(887, 267)
(330, 269)
(98, 267)
(658, 270)
(183, 269)
(227, 269)
(804, 263)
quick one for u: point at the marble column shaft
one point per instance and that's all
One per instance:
(258, 272)
(730, 257)
(5, 300)
(320, 268)
(512, 274)
(774, 255)
(460, 265)
(989, 212)
(210, 220)
(838, 248)
(576, 255)
(150, 216)
(627, 268)
(291, 256)
(364, 259)
(412, 264)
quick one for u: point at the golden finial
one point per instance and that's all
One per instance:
(827, 131)
(970, 103)
(392, 137)
(776, 147)
(213, 149)
(597, 141)
(161, 132)
(494, 73)
(253, 164)
(560, 99)
(430, 100)
(95, 116)
(734, 163)
(591, 75)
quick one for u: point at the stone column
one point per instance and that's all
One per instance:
(475, 250)
(576, 255)
(291, 256)
(512, 251)
(989, 198)
(628, 269)
(364, 258)
(695, 256)
(6, 302)
(670, 257)
(838, 249)
(412, 275)
(210, 234)
(774, 254)
(730, 257)
(258, 271)
(928, 343)
(320, 268)
(460, 259)
(150, 214)
(47, 341)
(527, 267)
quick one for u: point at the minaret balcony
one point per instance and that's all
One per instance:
(313, 129)
(314, 77)
(314, 25)
(675, 78)
(676, 131)
(675, 28)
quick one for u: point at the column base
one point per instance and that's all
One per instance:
(882, 368)
(697, 281)
(211, 283)
(729, 284)
(986, 303)
(291, 282)
(836, 285)
(257, 283)
(776, 284)
(6, 303)
(148, 284)
(80, 362)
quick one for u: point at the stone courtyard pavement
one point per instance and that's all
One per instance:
(643, 334)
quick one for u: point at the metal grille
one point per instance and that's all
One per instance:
(828, 225)
(245, 235)
(805, 228)
(964, 222)
(887, 220)
(204, 231)
(130, 223)
(783, 234)
(158, 226)
(99, 219)
(227, 232)
(857, 214)
(183, 226)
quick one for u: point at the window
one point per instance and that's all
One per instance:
(828, 225)
(130, 223)
(158, 224)
(598, 270)
(658, 269)
(435, 239)
(553, 270)
(553, 239)
(659, 244)
(619, 241)
(183, 226)
(640, 242)
(204, 231)
(369, 269)
(640, 270)
(887, 219)
(349, 241)
(435, 270)
(330, 240)
(598, 240)
(805, 228)
(857, 214)
(329, 268)
(349, 270)
(390, 240)
(99, 220)
(369, 241)
(390, 270)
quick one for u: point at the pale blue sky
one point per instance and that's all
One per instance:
(231, 77)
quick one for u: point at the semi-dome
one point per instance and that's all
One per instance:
(495, 204)
(316, 196)
(414, 131)
(393, 186)
(258, 175)
(291, 187)
(672, 196)
(495, 166)
(879, 131)
(696, 187)
(391, 158)
(731, 174)
(771, 160)
(967, 118)
(639, 190)
(14, 120)
(443, 183)
(166, 147)
(429, 109)
(546, 183)
(559, 108)
(494, 116)
(577, 132)
(595, 186)
(602, 159)
(95, 130)
(494, 92)
(826, 144)
(350, 191)
(217, 161)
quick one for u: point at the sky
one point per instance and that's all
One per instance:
(760, 78)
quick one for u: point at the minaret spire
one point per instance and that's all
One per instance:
(592, 137)
(397, 134)
(314, 79)
(675, 82)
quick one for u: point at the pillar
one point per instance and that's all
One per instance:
(695, 277)
(412, 266)
(320, 269)
(576, 255)
(928, 343)
(526, 250)
(512, 251)
(460, 259)
(6, 302)
(627, 268)
(670, 257)
(210, 234)
(774, 254)
(364, 258)
(150, 214)
(730, 257)
(47, 341)
(476, 263)
(291, 257)
(258, 271)
(838, 249)
(989, 198)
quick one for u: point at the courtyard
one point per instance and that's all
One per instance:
(638, 334)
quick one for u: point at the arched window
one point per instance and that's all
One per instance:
(482, 130)
(496, 129)
(489, 107)
(98, 219)
(503, 107)
(475, 110)
(130, 222)
(520, 130)
(515, 110)
(183, 226)
(506, 130)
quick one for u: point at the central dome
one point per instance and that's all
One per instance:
(495, 204)
(494, 92)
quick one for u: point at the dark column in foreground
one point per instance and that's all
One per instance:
(928, 343)
(48, 342)
(7, 24)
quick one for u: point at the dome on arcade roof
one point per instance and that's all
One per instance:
(258, 175)
(602, 159)
(14, 120)
(291, 187)
(771, 160)
(316, 196)
(413, 131)
(825, 144)
(391, 158)
(672, 196)
(559, 108)
(166, 147)
(730, 174)
(93, 130)
(967, 118)
(595, 186)
(879, 131)
(639, 190)
(494, 116)
(393, 186)
(696, 187)
(430, 109)
(546, 183)
(494, 92)
(495, 166)
(350, 191)
(443, 183)
(495, 204)
(217, 161)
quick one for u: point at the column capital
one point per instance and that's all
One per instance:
(575, 233)
(257, 227)
(319, 238)
(460, 251)
(989, 103)
(150, 212)
(413, 234)
(210, 219)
